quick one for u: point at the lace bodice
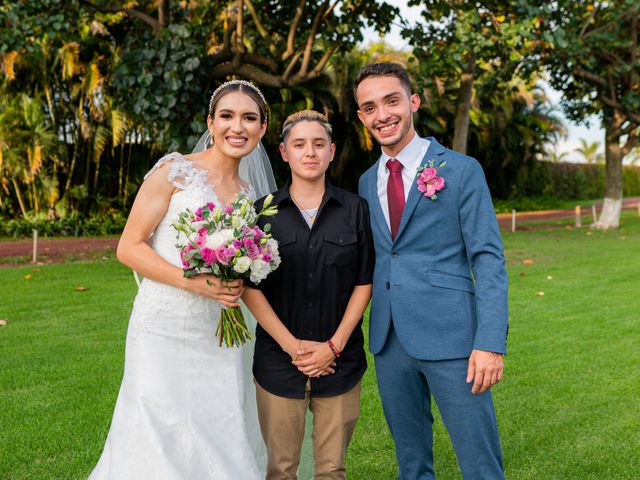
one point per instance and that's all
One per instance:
(194, 190)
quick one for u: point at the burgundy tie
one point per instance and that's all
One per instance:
(395, 195)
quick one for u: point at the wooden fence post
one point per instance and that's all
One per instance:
(578, 217)
(594, 213)
(34, 259)
(513, 220)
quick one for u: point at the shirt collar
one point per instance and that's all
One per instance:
(331, 192)
(409, 154)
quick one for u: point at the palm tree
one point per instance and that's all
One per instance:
(554, 156)
(27, 143)
(590, 152)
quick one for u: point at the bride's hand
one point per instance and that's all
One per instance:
(226, 293)
(315, 359)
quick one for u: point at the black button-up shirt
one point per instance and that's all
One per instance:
(311, 289)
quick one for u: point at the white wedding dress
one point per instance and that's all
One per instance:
(185, 408)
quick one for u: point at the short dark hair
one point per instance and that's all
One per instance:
(383, 69)
(305, 116)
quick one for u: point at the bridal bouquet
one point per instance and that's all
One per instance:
(224, 240)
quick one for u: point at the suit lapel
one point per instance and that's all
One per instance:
(434, 150)
(374, 205)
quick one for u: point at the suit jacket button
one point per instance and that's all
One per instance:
(395, 254)
(388, 285)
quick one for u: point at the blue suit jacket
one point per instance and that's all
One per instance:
(443, 279)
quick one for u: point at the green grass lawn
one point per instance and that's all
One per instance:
(568, 407)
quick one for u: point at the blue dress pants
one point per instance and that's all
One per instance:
(406, 386)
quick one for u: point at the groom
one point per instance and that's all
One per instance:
(438, 321)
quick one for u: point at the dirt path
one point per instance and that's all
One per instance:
(56, 250)
(504, 219)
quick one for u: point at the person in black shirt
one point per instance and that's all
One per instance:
(309, 349)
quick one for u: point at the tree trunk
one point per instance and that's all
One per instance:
(74, 157)
(461, 132)
(162, 13)
(16, 187)
(125, 195)
(34, 192)
(610, 216)
(121, 170)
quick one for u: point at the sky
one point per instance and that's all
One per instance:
(575, 132)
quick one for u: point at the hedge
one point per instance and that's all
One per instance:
(569, 181)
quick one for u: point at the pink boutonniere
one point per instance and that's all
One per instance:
(429, 183)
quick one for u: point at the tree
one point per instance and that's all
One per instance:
(594, 61)
(26, 143)
(53, 52)
(171, 65)
(460, 43)
(554, 156)
(589, 152)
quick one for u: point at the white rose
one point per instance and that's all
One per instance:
(242, 264)
(259, 270)
(272, 244)
(217, 239)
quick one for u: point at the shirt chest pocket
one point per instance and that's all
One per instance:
(340, 248)
(286, 244)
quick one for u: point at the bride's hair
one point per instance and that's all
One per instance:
(239, 86)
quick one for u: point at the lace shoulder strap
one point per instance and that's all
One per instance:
(182, 172)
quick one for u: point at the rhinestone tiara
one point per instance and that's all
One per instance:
(236, 82)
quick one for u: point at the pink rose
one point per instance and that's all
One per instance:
(208, 255)
(429, 183)
(228, 209)
(201, 239)
(427, 174)
(237, 244)
(198, 215)
(183, 257)
(253, 251)
(222, 256)
(257, 233)
(211, 206)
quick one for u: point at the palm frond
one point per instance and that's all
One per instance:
(8, 62)
(118, 127)
(70, 59)
(34, 155)
(101, 139)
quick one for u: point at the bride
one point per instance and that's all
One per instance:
(183, 411)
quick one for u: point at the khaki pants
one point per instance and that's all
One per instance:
(282, 421)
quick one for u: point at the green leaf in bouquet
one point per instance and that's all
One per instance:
(266, 228)
(191, 272)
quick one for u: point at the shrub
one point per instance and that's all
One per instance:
(567, 181)
(73, 225)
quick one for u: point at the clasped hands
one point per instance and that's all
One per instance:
(314, 359)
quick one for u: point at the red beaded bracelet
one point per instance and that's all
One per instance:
(333, 348)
